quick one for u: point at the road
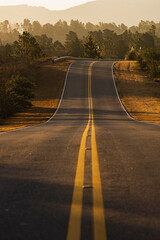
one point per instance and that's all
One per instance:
(91, 172)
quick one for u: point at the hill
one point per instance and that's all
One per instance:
(128, 12)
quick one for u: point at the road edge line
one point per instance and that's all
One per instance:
(114, 82)
(60, 100)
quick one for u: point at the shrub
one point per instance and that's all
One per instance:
(15, 95)
(150, 60)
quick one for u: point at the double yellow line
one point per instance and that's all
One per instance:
(74, 227)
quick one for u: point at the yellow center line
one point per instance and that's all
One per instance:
(99, 226)
(74, 227)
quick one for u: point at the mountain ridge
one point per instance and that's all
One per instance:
(94, 12)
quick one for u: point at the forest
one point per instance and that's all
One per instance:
(9, 32)
(113, 41)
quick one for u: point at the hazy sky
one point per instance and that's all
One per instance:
(51, 4)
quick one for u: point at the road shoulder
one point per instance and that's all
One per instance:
(139, 94)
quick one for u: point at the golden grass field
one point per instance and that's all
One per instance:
(139, 94)
(49, 80)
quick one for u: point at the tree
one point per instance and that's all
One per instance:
(26, 26)
(91, 49)
(27, 47)
(46, 44)
(73, 45)
(136, 41)
(152, 31)
(59, 49)
(98, 37)
(123, 28)
(148, 40)
(91, 27)
(152, 59)
(149, 60)
(141, 41)
(5, 53)
(5, 26)
(15, 95)
(121, 48)
(13, 36)
(61, 28)
(109, 34)
(48, 29)
(108, 49)
(36, 28)
(18, 27)
(79, 28)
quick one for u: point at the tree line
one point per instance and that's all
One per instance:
(105, 44)
(10, 32)
(62, 39)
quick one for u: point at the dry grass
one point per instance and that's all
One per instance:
(139, 94)
(49, 79)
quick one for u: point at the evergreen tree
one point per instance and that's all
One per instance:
(91, 48)
(36, 28)
(59, 49)
(46, 44)
(73, 45)
(27, 47)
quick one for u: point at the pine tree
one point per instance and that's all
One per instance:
(73, 45)
(27, 47)
(91, 49)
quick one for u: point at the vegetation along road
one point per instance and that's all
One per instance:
(91, 172)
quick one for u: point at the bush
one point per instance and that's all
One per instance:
(15, 95)
(149, 60)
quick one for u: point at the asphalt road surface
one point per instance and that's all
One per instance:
(90, 173)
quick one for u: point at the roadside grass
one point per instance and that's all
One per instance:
(49, 80)
(139, 94)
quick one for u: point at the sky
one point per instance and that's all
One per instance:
(51, 4)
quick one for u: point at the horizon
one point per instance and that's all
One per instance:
(60, 5)
(106, 11)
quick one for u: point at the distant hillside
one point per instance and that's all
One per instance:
(128, 12)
